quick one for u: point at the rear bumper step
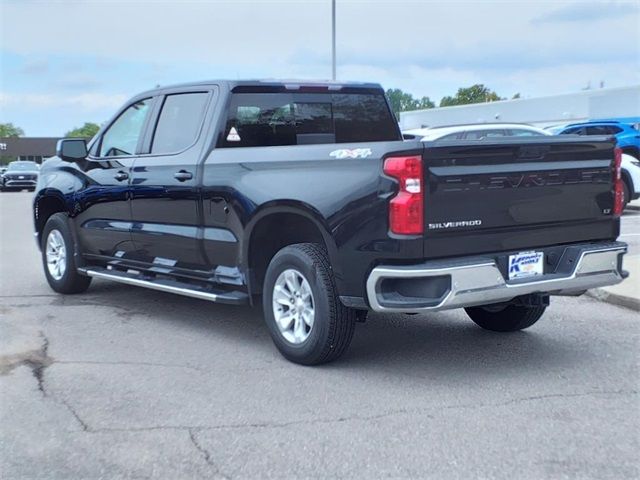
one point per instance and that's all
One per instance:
(168, 285)
(441, 285)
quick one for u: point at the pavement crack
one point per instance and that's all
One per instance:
(205, 453)
(39, 367)
(84, 425)
(533, 398)
(37, 360)
(429, 412)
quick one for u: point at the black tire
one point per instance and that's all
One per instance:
(333, 324)
(508, 319)
(70, 281)
(626, 195)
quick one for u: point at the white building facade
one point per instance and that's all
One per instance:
(542, 111)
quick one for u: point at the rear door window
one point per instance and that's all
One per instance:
(273, 119)
(179, 122)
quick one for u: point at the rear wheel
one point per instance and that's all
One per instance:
(58, 257)
(306, 319)
(509, 318)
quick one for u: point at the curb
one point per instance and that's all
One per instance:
(615, 299)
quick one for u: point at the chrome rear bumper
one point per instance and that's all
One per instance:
(479, 281)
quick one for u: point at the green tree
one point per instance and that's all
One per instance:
(516, 96)
(88, 130)
(425, 102)
(10, 130)
(403, 102)
(474, 94)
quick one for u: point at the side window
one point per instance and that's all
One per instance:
(268, 119)
(495, 133)
(259, 120)
(480, 134)
(363, 118)
(93, 151)
(314, 123)
(598, 130)
(179, 122)
(574, 131)
(122, 136)
(518, 132)
(452, 136)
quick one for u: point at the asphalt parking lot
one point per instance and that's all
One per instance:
(122, 382)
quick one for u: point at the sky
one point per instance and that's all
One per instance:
(67, 62)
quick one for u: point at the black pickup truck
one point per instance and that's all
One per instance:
(303, 196)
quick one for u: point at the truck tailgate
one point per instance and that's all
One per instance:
(509, 194)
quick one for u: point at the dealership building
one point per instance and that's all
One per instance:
(34, 149)
(542, 111)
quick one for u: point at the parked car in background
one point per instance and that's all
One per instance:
(626, 133)
(475, 132)
(628, 140)
(20, 175)
(630, 170)
(630, 164)
(555, 129)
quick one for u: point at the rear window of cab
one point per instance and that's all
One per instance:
(278, 119)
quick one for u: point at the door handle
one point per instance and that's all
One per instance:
(183, 175)
(120, 176)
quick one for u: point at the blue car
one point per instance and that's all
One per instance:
(625, 130)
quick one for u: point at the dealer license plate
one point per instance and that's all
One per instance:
(526, 264)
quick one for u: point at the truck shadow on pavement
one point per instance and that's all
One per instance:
(443, 344)
(448, 344)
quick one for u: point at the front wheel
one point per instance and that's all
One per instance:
(306, 319)
(58, 257)
(505, 319)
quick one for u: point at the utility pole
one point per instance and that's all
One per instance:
(333, 40)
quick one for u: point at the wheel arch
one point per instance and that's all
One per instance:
(46, 203)
(303, 223)
(632, 150)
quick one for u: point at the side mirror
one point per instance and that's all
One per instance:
(72, 149)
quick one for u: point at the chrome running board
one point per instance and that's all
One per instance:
(169, 285)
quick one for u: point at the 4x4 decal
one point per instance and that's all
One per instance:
(351, 153)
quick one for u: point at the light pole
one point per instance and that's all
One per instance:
(333, 40)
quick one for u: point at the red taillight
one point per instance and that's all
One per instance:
(618, 191)
(406, 209)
